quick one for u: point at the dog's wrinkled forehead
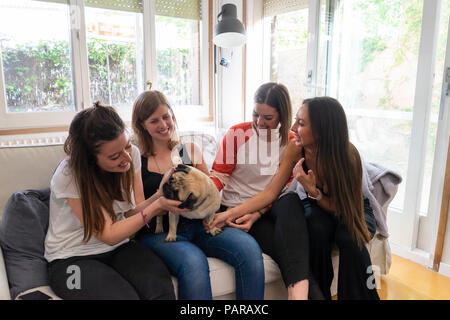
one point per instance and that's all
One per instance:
(182, 168)
(178, 177)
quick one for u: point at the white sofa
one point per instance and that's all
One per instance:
(31, 167)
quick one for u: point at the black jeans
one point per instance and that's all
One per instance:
(355, 275)
(129, 272)
(283, 235)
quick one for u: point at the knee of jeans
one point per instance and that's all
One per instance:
(288, 204)
(252, 252)
(152, 240)
(194, 264)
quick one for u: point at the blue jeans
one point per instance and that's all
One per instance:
(186, 259)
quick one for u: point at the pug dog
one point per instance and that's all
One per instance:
(197, 192)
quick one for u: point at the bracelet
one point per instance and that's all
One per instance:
(143, 218)
(319, 196)
(261, 212)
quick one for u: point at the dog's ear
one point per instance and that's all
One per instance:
(182, 168)
(189, 202)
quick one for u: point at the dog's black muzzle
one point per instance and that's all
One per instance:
(169, 192)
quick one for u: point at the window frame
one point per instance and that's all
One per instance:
(37, 122)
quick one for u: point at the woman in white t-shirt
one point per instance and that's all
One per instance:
(96, 204)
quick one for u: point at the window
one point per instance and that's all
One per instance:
(36, 59)
(67, 56)
(115, 56)
(179, 30)
(178, 59)
(286, 40)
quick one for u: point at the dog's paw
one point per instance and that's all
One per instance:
(171, 238)
(215, 231)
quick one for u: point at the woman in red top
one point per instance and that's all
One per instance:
(245, 164)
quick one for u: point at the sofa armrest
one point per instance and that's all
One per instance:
(4, 287)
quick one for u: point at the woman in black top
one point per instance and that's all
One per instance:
(154, 125)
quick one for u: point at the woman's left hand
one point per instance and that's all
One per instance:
(307, 180)
(245, 222)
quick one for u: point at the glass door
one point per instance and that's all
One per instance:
(378, 59)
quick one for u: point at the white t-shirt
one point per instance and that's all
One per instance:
(242, 167)
(65, 232)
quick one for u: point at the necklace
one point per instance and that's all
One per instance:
(156, 162)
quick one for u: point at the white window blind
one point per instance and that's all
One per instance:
(275, 7)
(187, 9)
(58, 1)
(121, 5)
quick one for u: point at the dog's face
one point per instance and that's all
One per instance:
(197, 193)
(186, 184)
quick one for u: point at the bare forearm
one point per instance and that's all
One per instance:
(274, 188)
(267, 196)
(120, 230)
(259, 202)
(144, 204)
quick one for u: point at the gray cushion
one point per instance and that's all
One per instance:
(22, 234)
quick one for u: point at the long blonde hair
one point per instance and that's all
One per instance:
(144, 106)
(98, 189)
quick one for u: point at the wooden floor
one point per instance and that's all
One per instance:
(410, 281)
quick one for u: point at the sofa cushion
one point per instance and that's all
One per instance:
(22, 234)
(25, 168)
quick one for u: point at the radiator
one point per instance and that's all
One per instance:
(37, 139)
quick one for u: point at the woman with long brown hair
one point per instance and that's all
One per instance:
(328, 169)
(97, 203)
(155, 130)
(243, 167)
